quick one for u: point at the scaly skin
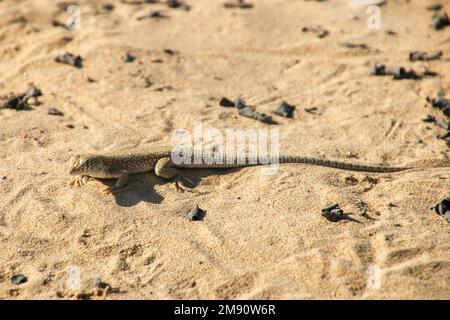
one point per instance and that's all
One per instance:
(158, 158)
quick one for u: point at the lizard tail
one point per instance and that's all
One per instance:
(247, 161)
(340, 164)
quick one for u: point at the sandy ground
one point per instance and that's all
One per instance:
(260, 238)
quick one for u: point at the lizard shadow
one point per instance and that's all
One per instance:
(198, 174)
(347, 217)
(140, 188)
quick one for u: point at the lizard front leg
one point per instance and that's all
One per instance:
(120, 182)
(78, 181)
(165, 169)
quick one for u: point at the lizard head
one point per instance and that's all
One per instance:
(87, 165)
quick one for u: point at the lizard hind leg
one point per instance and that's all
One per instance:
(165, 169)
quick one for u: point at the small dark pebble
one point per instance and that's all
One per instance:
(178, 4)
(438, 102)
(169, 52)
(311, 110)
(70, 126)
(70, 59)
(108, 7)
(429, 119)
(434, 7)
(333, 213)
(441, 21)
(55, 112)
(319, 31)
(239, 103)
(241, 4)
(18, 279)
(15, 102)
(20, 101)
(423, 56)
(392, 205)
(33, 92)
(285, 110)
(153, 15)
(250, 112)
(429, 73)
(246, 111)
(196, 214)
(350, 45)
(57, 23)
(128, 57)
(225, 102)
(443, 208)
(418, 141)
(398, 73)
(101, 284)
(148, 83)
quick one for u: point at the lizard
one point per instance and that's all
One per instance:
(120, 164)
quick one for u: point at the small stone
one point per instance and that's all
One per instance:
(55, 112)
(311, 110)
(447, 216)
(225, 102)
(350, 45)
(434, 7)
(443, 207)
(429, 118)
(238, 4)
(250, 112)
(178, 4)
(392, 205)
(441, 21)
(108, 7)
(101, 284)
(18, 279)
(33, 92)
(196, 214)
(240, 103)
(128, 57)
(70, 126)
(333, 213)
(153, 15)
(285, 110)
(70, 59)
(423, 56)
(170, 52)
(418, 141)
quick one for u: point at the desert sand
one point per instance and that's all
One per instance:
(260, 238)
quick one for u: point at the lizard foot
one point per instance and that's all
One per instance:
(180, 185)
(78, 181)
(107, 190)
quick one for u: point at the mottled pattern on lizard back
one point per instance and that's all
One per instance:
(129, 164)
